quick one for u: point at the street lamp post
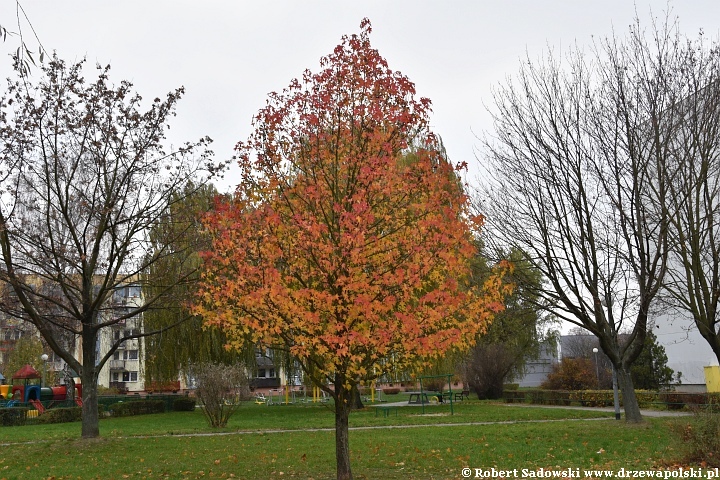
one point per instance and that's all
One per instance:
(597, 367)
(44, 357)
(607, 302)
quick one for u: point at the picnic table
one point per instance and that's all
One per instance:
(418, 397)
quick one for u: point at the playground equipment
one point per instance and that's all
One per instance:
(440, 397)
(34, 394)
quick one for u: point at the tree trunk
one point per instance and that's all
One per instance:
(630, 402)
(342, 437)
(357, 403)
(90, 417)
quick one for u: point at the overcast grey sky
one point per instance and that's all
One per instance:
(229, 54)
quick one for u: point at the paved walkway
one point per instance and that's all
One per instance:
(646, 412)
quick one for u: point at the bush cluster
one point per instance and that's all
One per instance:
(701, 438)
(138, 407)
(391, 390)
(13, 417)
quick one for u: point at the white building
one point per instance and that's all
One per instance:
(685, 348)
(124, 370)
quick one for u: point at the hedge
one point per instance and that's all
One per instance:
(61, 415)
(139, 407)
(604, 398)
(13, 417)
(184, 404)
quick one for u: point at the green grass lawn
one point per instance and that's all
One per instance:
(176, 445)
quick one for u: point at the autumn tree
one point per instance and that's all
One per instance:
(84, 177)
(579, 160)
(571, 374)
(580, 343)
(338, 247)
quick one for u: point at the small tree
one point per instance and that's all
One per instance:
(26, 351)
(220, 389)
(571, 374)
(650, 370)
(489, 364)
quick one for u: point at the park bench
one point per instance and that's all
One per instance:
(464, 395)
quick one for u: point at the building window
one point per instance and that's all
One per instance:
(116, 355)
(130, 376)
(133, 291)
(115, 377)
(261, 373)
(132, 354)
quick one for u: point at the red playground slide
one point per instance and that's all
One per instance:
(38, 406)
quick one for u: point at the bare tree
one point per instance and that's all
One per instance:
(693, 284)
(84, 176)
(579, 182)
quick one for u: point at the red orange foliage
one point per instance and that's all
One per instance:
(349, 238)
(342, 243)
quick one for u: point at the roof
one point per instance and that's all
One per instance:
(27, 371)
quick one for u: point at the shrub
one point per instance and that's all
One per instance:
(13, 417)
(391, 390)
(185, 404)
(105, 391)
(701, 438)
(220, 388)
(645, 398)
(488, 368)
(61, 415)
(571, 374)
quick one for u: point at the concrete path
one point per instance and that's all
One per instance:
(646, 412)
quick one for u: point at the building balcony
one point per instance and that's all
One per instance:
(117, 364)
